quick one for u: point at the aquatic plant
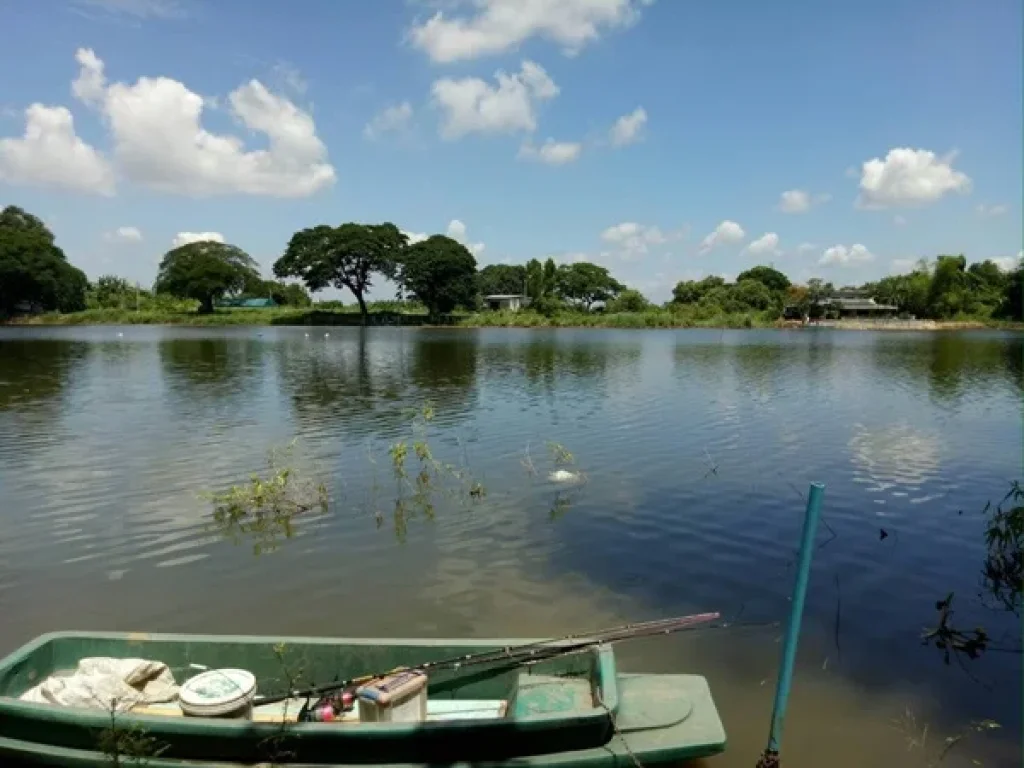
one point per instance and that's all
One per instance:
(264, 509)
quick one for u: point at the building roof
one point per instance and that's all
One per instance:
(861, 304)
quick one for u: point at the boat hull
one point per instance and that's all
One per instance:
(656, 718)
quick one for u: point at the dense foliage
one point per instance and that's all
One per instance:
(205, 271)
(504, 279)
(584, 284)
(440, 272)
(34, 274)
(347, 256)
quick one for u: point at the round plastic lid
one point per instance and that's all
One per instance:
(217, 692)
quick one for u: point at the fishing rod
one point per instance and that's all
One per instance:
(535, 651)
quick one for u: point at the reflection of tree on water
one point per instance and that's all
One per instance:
(212, 368)
(953, 365)
(542, 360)
(373, 374)
(37, 371)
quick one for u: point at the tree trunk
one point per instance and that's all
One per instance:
(206, 305)
(362, 307)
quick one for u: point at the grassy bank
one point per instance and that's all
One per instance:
(653, 318)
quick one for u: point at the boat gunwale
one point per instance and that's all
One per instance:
(605, 677)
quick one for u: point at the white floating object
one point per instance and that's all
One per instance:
(564, 476)
(326, 335)
(119, 335)
(218, 693)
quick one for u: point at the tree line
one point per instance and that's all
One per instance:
(441, 274)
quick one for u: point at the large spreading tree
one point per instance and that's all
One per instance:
(347, 256)
(585, 284)
(440, 272)
(34, 272)
(206, 271)
(501, 279)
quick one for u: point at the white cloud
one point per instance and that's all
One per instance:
(124, 235)
(184, 238)
(800, 201)
(288, 76)
(415, 237)
(726, 233)
(473, 105)
(842, 256)
(159, 140)
(899, 221)
(393, 119)
(50, 154)
(633, 240)
(457, 231)
(1009, 263)
(909, 177)
(988, 211)
(552, 152)
(499, 26)
(627, 129)
(766, 245)
(806, 247)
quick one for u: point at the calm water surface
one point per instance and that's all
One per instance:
(697, 447)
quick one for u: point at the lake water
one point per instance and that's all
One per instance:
(697, 449)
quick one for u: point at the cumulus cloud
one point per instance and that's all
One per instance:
(988, 211)
(632, 240)
(806, 247)
(393, 119)
(552, 152)
(909, 177)
(184, 238)
(800, 201)
(124, 235)
(628, 128)
(726, 233)
(457, 231)
(50, 154)
(499, 26)
(415, 237)
(472, 105)
(840, 255)
(159, 140)
(1009, 263)
(766, 245)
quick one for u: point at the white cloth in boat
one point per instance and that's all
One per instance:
(103, 683)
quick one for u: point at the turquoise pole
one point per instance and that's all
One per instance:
(803, 576)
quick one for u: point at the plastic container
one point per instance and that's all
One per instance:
(396, 698)
(218, 693)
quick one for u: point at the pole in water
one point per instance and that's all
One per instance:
(770, 756)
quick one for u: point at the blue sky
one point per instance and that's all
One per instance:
(656, 137)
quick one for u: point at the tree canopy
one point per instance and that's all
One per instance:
(501, 279)
(34, 272)
(768, 276)
(630, 300)
(585, 284)
(440, 272)
(347, 256)
(205, 271)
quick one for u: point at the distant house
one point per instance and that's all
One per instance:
(852, 302)
(248, 303)
(511, 301)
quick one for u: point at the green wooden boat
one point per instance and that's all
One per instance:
(572, 710)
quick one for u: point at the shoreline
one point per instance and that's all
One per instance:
(635, 321)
